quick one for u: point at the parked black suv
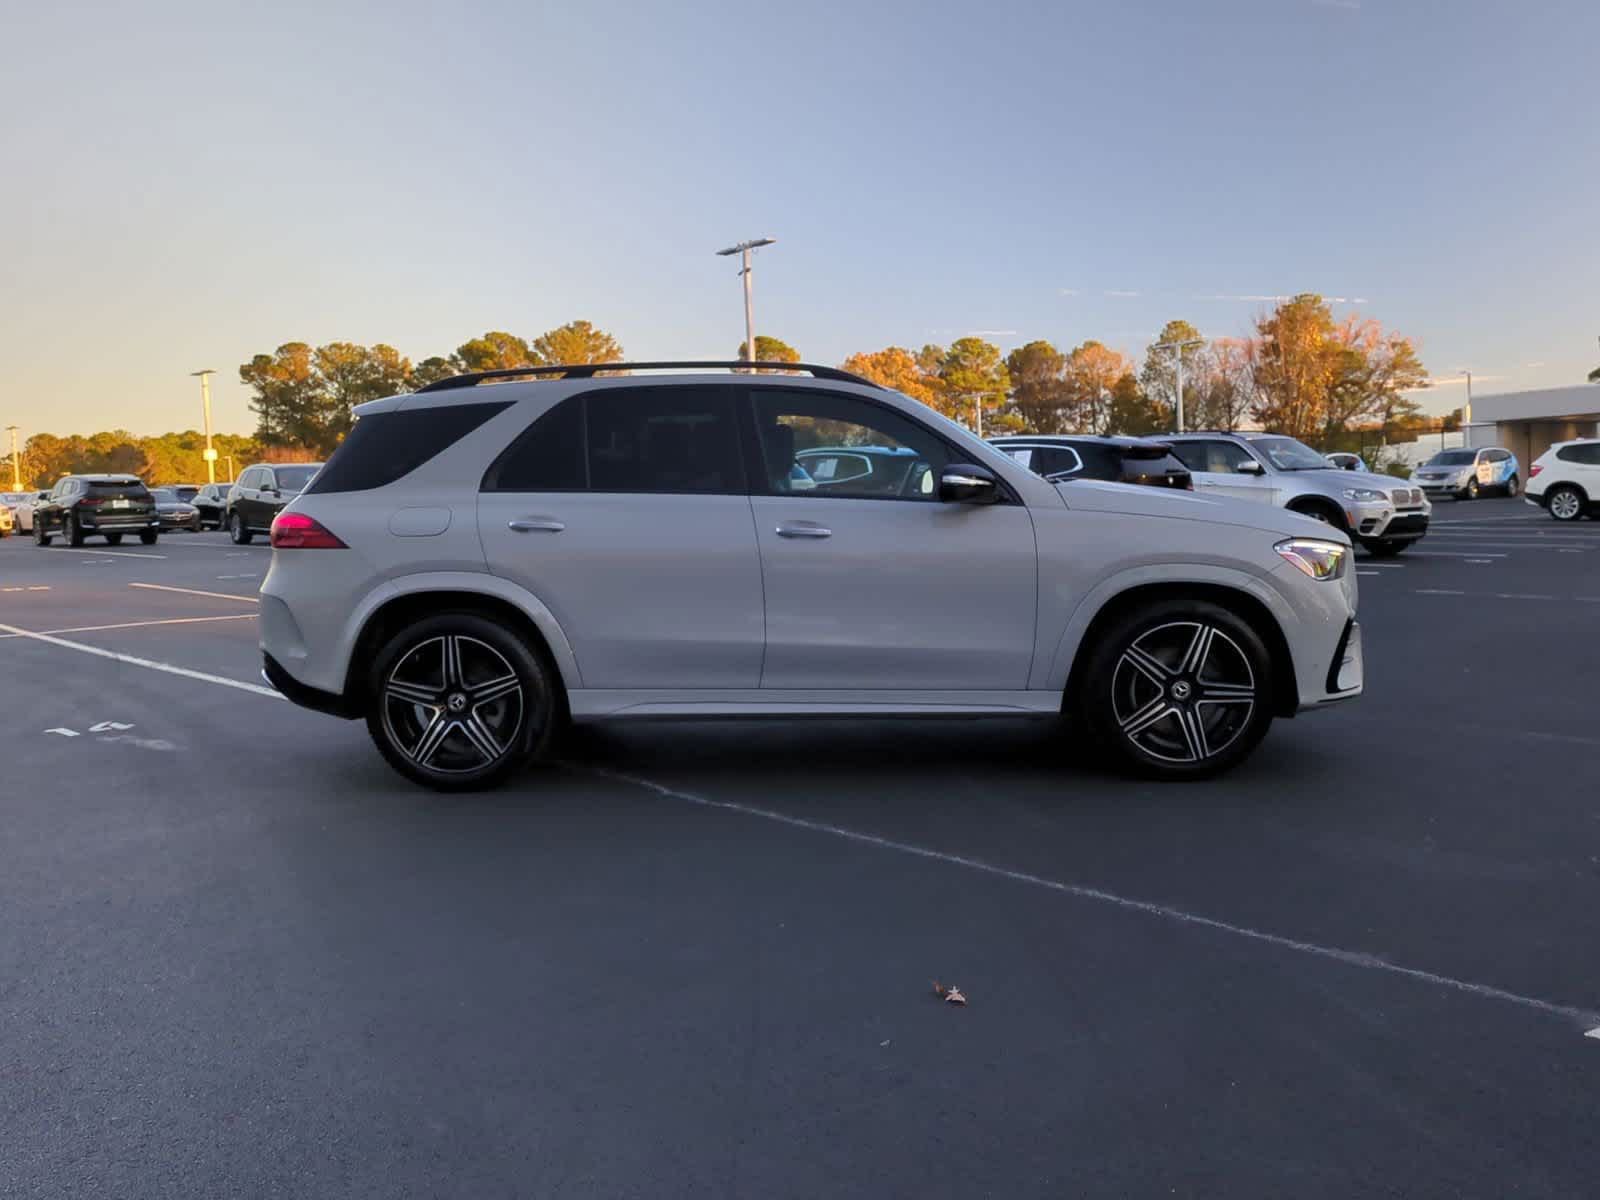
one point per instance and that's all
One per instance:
(211, 502)
(107, 506)
(260, 493)
(1081, 456)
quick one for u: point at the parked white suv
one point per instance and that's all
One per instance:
(1565, 480)
(476, 564)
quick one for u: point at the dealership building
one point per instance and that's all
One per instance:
(1529, 423)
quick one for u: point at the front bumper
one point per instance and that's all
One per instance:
(1382, 520)
(173, 521)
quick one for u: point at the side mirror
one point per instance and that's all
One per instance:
(1251, 467)
(967, 483)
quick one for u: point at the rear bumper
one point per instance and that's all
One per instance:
(291, 689)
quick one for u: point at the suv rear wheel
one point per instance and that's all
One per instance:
(238, 532)
(40, 537)
(1178, 689)
(458, 702)
(1566, 503)
(74, 534)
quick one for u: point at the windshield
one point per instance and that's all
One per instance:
(1287, 454)
(164, 495)
(294, 479)
(1453, 458)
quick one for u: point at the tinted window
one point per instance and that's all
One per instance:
(651, 439)
(386, 446)
(1453, 458)
(121, 490)
(165, 495)
(1222, 458)
(1588, 455)
(790, 422)
(294, 478)
(186, 493)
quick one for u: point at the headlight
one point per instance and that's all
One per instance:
(1318, 559)
(1363, 494)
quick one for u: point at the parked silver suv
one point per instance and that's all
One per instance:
(477, 564)
(1384, 514)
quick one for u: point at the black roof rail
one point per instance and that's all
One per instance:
(589, 370)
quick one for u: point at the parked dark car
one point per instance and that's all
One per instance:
(260, 494)
(211, 502)
(107, 506)
(1080, 456)
(175, 512)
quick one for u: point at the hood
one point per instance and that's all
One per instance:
(1334, 479)
(1094, 495)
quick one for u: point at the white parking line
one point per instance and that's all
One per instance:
(1369, 572)
(134, 661)
(1449, 554)
(103, 553)
(31, 587)
(162, 587)
(140, 624)
(1351, 958)
(1438, 592)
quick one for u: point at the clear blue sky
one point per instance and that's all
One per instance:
(188, 184)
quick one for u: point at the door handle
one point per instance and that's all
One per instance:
(803, 530)
(535, 525)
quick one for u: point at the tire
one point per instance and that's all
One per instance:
(1382, 549)
(70, 529)
(40, 537)
(149, 536)
(1144, 698)
(1565, 503)
(1473, 490)
(1513, 486)
(1325, 513)
(113, 539)
(238, 532)
(513, 725)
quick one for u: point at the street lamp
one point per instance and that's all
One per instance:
(1177, 356)
(229, 457)
(743, 250)
(16, 465)
(1466, 410)
(205, 401)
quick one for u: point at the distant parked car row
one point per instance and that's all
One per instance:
(111, 506)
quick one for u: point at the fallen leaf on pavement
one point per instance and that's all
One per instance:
(949, 993)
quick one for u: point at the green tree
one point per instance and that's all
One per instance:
(771, 349)
(287, 397)
(431, 370)
(1038, 387)
(352, 375)
(975, 381)
(1133, 411)
(577, 342)
(1159, 375)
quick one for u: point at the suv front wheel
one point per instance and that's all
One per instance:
(1177, 689)
(238, 532)
(458, 702)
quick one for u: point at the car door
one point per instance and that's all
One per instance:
(1215, 466)
(625, 510)
(879, 591)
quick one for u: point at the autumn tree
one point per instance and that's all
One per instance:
(577, 342)
(896, 367)
(1223, 388)
(1091, 372)
(974, 381)
(1038, 387)
(495, 351)
(431, 370)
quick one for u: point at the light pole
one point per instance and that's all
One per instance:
(205, 402)
(743, 250)
(1177, 349)
(229, 457)
(16, 463)
(1466, 410)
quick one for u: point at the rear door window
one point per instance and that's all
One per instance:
(664, 440)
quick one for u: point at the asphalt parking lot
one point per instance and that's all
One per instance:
(241, 957)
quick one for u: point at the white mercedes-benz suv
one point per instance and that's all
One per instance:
(502, 552)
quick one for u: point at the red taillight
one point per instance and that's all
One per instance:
(1534, 470)
(90, 502)
(296, 531)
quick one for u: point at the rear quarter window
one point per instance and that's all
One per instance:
(387, 446)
